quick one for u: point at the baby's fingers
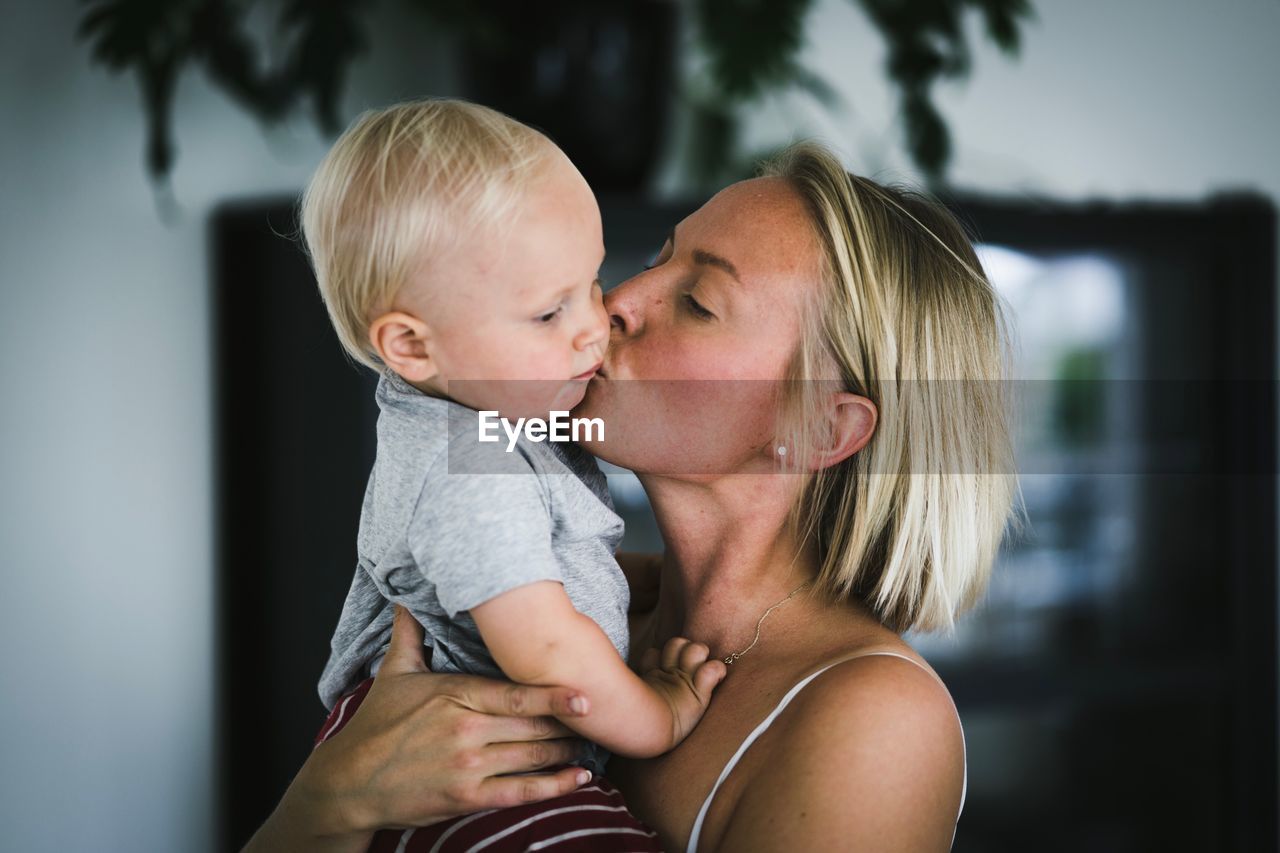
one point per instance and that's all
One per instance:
(692, 655)
(707, 676)
(671, 652)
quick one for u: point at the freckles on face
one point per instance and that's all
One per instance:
(695, 391)
(751, 256)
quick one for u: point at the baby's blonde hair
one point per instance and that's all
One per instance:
(905, 316)
(397, 188)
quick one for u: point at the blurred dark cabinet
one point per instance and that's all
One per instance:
(294, 450)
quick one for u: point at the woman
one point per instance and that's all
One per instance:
(808, 519)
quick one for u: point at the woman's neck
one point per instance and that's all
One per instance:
(729, 557)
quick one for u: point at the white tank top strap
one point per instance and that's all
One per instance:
(773, 715)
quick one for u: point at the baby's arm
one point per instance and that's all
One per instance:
(537, 637)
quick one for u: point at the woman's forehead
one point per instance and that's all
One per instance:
(761, 225)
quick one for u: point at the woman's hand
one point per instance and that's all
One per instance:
(422, 748)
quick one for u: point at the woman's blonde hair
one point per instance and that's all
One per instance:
(905, 316)
(396, 188)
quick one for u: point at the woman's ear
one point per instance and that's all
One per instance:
(851, 421)
(403, 342)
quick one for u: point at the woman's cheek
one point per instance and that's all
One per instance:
(680, 427)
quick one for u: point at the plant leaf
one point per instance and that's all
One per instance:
(928, 139)
(1001, 18)
(750, 43)
(232, 60)
(329, 36)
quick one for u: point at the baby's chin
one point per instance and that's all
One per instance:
(570, 396)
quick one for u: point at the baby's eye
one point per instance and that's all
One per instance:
(547, 318)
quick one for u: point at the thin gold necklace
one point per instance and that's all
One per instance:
(733, 657)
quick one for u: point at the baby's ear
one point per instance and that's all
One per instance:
(403, 342)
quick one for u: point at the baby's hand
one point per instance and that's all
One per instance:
(685, 679)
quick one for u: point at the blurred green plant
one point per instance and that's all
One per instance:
(1079, 404)
(751, 48)
(158, 39)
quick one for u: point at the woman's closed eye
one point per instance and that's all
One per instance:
(696, 308)
(691, 304)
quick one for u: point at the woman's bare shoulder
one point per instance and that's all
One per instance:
(870, 750)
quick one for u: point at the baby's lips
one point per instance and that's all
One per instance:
(587, 374)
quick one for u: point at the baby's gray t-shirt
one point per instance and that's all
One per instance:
(449, 523)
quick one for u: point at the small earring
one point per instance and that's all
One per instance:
(782, 451)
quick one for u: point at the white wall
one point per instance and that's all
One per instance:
(1158, 98)
(105, 435)
(105, 427)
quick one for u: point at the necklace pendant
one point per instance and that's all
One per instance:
(733, 657)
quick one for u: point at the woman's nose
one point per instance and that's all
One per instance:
(623, 305)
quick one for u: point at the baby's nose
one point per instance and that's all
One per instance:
(597, 327)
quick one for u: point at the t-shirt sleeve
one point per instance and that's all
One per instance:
(475, 536)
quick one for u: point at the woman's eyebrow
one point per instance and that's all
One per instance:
(701, 256)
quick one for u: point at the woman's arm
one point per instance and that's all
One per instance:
(423, 748)
(870, 758)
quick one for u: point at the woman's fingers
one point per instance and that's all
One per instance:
(424, 747)
(505, 729)
(535, 755)
(522, 700)
(502, 791)
(405, 652)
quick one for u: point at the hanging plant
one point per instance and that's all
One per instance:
(751, 48)
(159, 39)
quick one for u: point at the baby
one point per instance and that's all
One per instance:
(457, 252)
